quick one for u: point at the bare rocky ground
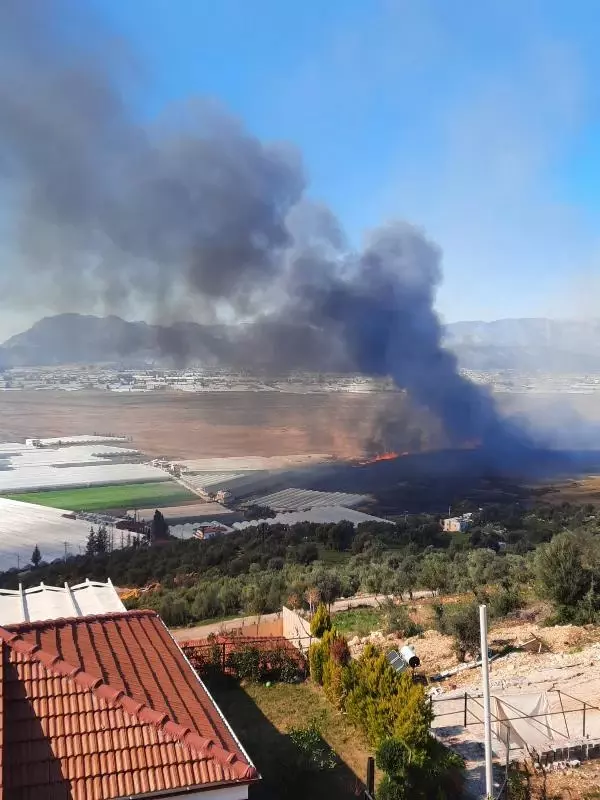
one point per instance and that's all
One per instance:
(571, 665)
(570, 662)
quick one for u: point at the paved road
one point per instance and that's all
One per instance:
(202, 631)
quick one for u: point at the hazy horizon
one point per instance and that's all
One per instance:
(476, 125)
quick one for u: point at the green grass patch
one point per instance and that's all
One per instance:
(357, 621)
(262, 717)
(103, 498)
(332, 557)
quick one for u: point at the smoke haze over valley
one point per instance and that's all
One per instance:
(194, 210)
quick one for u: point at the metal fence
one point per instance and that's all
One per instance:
(215, 654)
(573, 721)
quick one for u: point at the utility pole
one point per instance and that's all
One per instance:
(65, 544)
(487, 716)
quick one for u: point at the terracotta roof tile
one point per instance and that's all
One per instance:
(94, 708)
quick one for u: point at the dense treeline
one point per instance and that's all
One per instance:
(254, 571)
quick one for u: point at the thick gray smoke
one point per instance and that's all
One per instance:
(193, 211)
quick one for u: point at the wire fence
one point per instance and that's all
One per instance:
(565, 731)
(244, 656)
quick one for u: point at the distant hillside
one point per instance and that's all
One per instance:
(82, 339)
(526, 344)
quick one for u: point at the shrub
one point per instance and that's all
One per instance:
(397, 620)
(391, 789)
(246, 663)
(333, 682)
(316, 661)
(461, 622)
(276, 664)
(426, 769)
(383, 703)
(339, 651)
(320, 622)
(279, 664)
(392, 756)
(291, 671)
(315, 754)
(560, 571)
(441, 621)
(208, 661)
(504, 602)
(464, 624)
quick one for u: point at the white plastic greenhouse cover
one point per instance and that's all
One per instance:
(55, 602)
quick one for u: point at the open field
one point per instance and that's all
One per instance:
(262, 716)
(203, 425)
(357, 621)
(582, 490)
(220, 424)
(103, 498)
(238, 423)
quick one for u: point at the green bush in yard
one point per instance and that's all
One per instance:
(254, 664)
(337, 682)
(316, 661)
(246, 663)
(320, 622)
(314, 753)
(504, 602)
(383, 703)
(427, 770)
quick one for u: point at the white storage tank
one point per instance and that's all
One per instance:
(409, 655)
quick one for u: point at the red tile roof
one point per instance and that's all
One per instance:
(100, 707)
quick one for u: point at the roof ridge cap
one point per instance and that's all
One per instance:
(117, 698)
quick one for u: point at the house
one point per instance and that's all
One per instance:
(457, 524)
(107, 706)
(208, 530)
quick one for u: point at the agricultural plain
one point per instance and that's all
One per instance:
(104, 498)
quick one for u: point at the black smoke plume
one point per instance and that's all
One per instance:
(191, 213)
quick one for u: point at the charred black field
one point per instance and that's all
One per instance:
(273, 423)
(431, 482)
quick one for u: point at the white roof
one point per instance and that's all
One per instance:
(86, 462)
(56, 602)
(303, 499)
(39, 477)
(332, 514)
(81, 439)
(213, 481)
(206, 480)
(76, 454)
(25, 525)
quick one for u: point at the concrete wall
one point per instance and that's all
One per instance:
(267, 627)
(296, 629)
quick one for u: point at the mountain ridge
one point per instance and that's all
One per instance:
(520, 343)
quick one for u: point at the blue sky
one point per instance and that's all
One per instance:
(477, 119)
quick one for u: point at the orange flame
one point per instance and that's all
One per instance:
(382, 457)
